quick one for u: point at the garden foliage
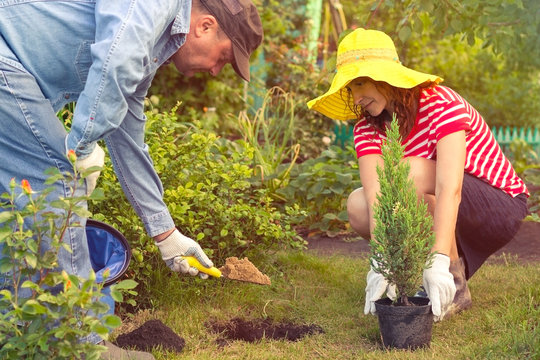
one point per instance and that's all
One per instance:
(45, 313)
(321, 186)
(208, 189)
(403, 236)
(270, 133)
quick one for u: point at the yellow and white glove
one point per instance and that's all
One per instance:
(439, 285)
(376, 287)
(96, 158)
(176, 245)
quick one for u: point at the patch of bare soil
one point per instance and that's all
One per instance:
(255, 330)
(524, 247)
(152, 333)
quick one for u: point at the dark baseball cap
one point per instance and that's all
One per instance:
(240, 21)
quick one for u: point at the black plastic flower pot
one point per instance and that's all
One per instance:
(405, 327)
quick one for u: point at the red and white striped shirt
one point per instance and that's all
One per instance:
(441, 112)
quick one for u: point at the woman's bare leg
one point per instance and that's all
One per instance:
(357, 209)
(423, 175)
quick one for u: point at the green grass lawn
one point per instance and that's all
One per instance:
(504, 322)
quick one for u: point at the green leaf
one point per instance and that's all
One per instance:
(5, 216)
(29, 285)
(330, 216)
(112, 321)
(5, 294)
(82, 212)
(125, 284)
(31, 260)
(6, 265)
(404, 33)
(32, 307)
(471, 39)
(100, 329)
(343, 216)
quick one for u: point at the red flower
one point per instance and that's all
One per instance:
(26, 187)
(72, 157)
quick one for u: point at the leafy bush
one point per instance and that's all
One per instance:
(321, 187)
(209, 194)
(532, 178)
(522, 156)
(61, 309)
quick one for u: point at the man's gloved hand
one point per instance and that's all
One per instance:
(439, 285)
(96, 158)
(176, 245)
(376, 287)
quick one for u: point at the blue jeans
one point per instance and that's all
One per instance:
(31, 141)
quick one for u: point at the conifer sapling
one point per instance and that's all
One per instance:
(403, 236)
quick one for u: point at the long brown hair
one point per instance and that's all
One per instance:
(404, 101)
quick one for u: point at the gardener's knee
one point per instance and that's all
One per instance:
(357, 210)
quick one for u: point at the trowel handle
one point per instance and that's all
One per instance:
(193, 262)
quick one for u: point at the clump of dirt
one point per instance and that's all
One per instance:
(151, 334)
(243, 270)
(255, 330)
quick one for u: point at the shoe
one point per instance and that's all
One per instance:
(114, 352)
(462, 299)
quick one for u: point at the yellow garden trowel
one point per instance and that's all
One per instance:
(193, 262)
(234, 269)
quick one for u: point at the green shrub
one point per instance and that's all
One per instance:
(321, 187)
(209, 194)
(522, 156)
(61, 309)
(532, 178)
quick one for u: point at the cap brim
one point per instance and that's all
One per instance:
(241, 63)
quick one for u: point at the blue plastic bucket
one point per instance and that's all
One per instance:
(109, 249)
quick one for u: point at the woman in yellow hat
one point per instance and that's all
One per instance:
(476, 198)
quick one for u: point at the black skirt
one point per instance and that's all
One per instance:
(488, 219)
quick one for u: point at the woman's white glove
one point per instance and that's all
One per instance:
(376, 287)
(96, 158)
(439, 285)
(176, 245)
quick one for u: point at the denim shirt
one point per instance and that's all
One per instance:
(103, 54)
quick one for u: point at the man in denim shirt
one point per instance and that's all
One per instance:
(104, 55)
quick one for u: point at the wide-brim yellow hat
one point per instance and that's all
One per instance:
(365, 53)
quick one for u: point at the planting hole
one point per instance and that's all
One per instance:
(255, 330)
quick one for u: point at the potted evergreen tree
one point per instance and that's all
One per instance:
(401, 250)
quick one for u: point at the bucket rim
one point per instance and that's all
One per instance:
(118, 235)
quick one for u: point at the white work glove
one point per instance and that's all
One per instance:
(376, 287)
(96, 158)
(439, 285)
(176, 245)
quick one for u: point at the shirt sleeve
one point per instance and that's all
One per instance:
(367, 140)
(452, 117)
(135, 169)
(111, 105)
(126, 32)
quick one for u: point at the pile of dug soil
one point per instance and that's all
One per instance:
(151, 334)
(254, 330)
(243, 270)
